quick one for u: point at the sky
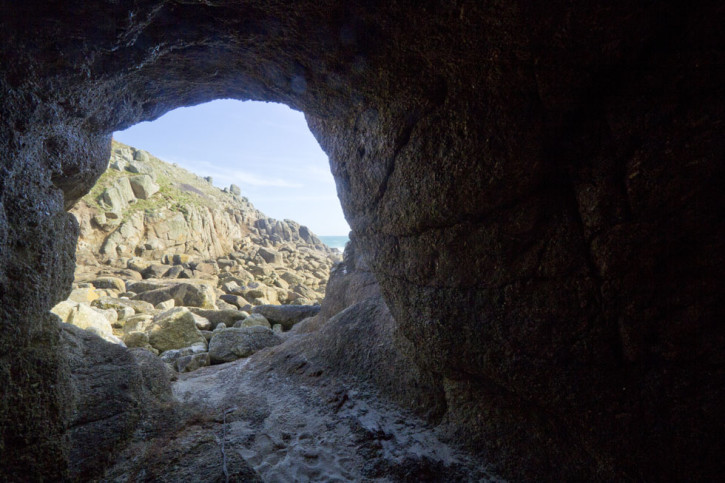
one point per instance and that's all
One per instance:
(264, 148)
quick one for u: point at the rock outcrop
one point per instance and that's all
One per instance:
(168, 211)
(536, 187)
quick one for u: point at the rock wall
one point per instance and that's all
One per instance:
(536, 189)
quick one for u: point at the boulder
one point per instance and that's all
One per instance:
(222, 305)
(192, 362)
(112, 283)
(256, 290)
(270, 255)
(143, 186)
(141, 156)
(106, 402)
(232, 287)
(141, 322)
(202, 323)
(171, 356)
(187, 294)
(136, 338)
(210, 268)
(154, 270)
(65, 310)
(117, 196)
(140, 168)
(146, 285)
(174, 329)
(157, 376)
(261, 269)
(286, 315)
(231, 344)
(234, 189)
(165, 305)
(138, 264)
(138, 306)
(123, 308)
(254, 320)
(84, 295)
(236, 300)
(93, 320)
(225, 263)
(173, 272)
(215, 317)
(207, 334)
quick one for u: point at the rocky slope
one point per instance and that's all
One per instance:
(143, 212)
(169, 263)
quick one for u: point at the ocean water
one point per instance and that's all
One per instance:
(335, 241)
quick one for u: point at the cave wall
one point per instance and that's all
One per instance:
(536, 188)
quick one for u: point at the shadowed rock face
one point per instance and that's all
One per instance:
(537, 190)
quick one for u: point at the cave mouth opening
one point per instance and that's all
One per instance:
(193, 228)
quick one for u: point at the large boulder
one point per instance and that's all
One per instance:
(187, 293)
(174, 329)
(118, 195)
(286, 315)
(231, 344)
(87, 318)
(107, 402)
(270, 255)
(143, 186)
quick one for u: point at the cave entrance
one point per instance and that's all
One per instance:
(215, 208)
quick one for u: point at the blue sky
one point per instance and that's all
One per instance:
(264, 148)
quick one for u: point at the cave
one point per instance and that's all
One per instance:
(537, 190)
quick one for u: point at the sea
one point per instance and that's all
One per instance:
(335, 241)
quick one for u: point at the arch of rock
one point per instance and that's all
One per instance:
(538, 191)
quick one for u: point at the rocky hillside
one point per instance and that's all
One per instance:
(169, 263)
(144, 213)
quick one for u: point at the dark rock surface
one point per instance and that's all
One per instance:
(111, 395)
(537, 190)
